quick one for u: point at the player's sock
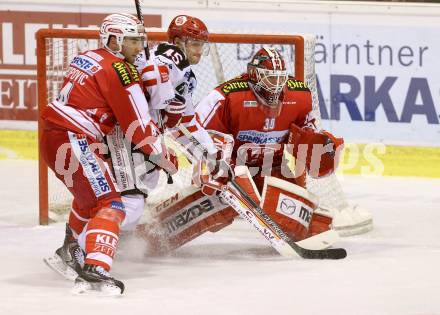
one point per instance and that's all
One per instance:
(102, 238)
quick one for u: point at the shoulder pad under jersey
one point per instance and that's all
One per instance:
(173, 54)
(296, 85)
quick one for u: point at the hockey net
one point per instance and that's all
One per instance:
(229, 54)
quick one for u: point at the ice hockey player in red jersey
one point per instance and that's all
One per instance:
(101, 88)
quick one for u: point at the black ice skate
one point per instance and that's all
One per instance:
(95, 279)
(68, 259)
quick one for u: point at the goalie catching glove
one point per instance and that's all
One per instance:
(317, 151)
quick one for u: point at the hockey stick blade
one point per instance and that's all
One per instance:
(322, 240)
(330, 253)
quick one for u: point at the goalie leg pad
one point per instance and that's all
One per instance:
(320, 223)
(184, 220)
(290, 206)
(244, 179)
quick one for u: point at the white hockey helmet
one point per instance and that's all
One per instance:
(120, 25)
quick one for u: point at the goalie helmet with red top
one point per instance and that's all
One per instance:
(191, 35)
(120, 25)
(267, 77)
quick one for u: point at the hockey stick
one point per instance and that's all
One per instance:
(331, 253)
(254, 214)
(147, 56)
(141, 18)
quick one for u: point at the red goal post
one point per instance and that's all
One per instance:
(46, 57)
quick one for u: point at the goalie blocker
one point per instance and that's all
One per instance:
(181, 220)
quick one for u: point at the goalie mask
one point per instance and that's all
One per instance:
(191, 35)
(121, 25)
(268, 76)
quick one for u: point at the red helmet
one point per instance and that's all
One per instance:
(185, 26)
(267, 76)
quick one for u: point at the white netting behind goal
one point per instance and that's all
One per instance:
(225, 61)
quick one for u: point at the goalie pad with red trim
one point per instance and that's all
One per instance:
(318, 151)
(180, 221)
(293, 209)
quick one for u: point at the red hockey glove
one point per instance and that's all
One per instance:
(318, 150)
(173, 112)
(211, 175)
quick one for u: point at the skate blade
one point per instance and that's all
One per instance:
(85, 288)
(56, 264)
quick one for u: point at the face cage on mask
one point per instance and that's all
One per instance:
(272, 81)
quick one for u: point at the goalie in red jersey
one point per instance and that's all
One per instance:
(257, 116)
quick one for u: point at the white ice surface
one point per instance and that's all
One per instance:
(392, 270)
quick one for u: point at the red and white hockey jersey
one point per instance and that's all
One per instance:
(233, 108)
(167, 75)
(99, 90)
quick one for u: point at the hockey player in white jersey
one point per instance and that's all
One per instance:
(169, 84)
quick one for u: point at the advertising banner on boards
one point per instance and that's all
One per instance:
(377, 71)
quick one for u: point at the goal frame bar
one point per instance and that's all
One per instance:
(43, 34)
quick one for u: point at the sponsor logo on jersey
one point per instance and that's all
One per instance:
(134, 72)
(296, 85)
(123, 73)
(260, 137)
(117, 205)
(86, 64)
(90, 165)
(105, 244)
(236, 86)
(289, 102)
(250, 104)
(294, 209)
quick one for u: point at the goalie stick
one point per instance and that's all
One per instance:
(234, 194)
